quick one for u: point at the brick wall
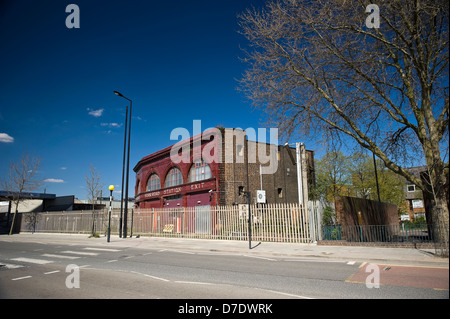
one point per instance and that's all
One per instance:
(244, 171)
(359, 211)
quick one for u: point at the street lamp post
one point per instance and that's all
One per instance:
(123, 171)
(125, 214)
(111, 188)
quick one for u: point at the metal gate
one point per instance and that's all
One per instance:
(203, 219)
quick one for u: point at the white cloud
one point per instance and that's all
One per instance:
(53, 180)
(95, 113)
(5, 138)
(116, 125)
(63, 168)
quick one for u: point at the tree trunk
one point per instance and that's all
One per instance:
(440, 215)
(437, 210)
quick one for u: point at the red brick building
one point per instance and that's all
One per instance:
(211, 169)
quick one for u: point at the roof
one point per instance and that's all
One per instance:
(9, 195)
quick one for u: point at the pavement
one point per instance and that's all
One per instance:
(379, 255)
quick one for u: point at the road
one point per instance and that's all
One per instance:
(65, 270)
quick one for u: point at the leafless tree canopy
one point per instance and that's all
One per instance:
(93, 184)
(94, 189)
(21, 178)
(316, 67)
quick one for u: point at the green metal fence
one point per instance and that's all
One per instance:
(414, 233)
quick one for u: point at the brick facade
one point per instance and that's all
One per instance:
(235, 167)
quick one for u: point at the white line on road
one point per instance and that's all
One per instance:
(112, 261)
(259, 257)
(150, 276)
(315, 260)
(285, 294)
(20, 278)
(84, 253)
(193, 282)
(351, 262)
(11, 266)
(180, 251)
(33, 261)
(51, 272)
(102, 249)
(158, 278)
(60, 256)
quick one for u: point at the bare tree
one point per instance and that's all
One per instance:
(318, 65)
(21, 178)
(94, 188)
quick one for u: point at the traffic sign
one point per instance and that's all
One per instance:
(261, 196)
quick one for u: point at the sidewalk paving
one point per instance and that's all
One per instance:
(381, 255)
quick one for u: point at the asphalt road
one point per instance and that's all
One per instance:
(46, 270)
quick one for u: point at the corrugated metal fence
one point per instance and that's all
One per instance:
(277, 222)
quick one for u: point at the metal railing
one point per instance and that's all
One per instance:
(270, 222)
(283, 223)
(404, 233)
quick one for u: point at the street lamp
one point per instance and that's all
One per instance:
(111, 188)
(123, 229)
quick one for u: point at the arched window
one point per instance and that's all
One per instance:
(153, 183)
(173, 177)
(200, 170)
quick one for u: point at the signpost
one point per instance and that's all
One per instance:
(111, 188)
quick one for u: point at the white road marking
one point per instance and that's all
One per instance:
(351, 262)
(259, 257)
(180, 251)
(112, 261)
(102, 249)
(20, 278)
(51, 272)
(193, 282)
(150, 276)
(83, 253)
(33, 261)
(315, 260)
(11, 266)
(60, 256)
(285, 294)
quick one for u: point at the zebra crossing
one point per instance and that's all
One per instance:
(49, 258)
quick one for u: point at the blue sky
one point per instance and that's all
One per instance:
(177, 60)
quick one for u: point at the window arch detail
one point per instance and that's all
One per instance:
(153, 183)
(200, 170)
(173, 177)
